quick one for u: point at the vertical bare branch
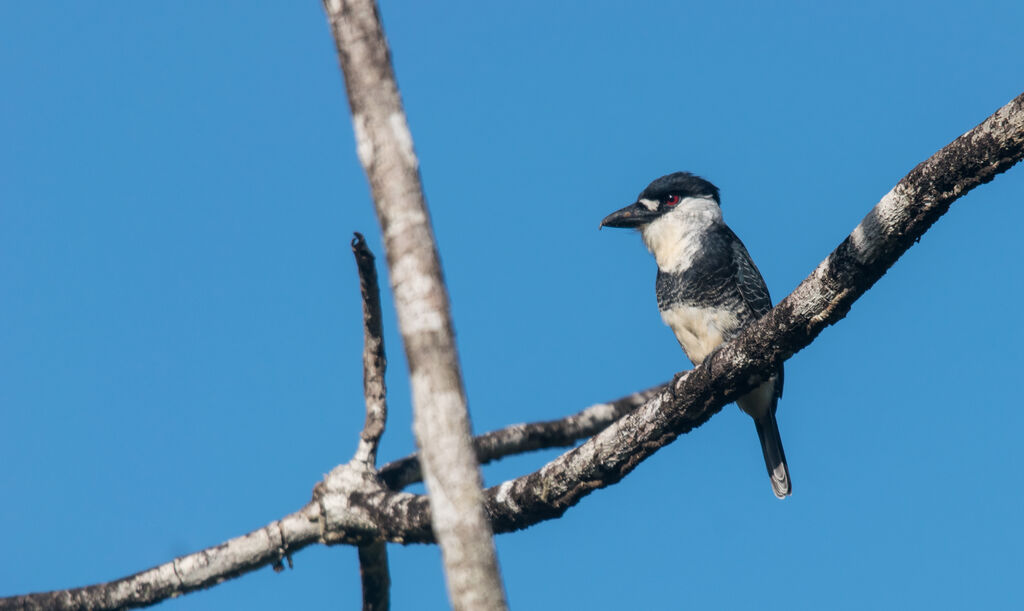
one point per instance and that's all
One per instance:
(374, 361)
(373, 557)
(373, 570)
(441, 421)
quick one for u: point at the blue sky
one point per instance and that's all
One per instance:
(180, 332)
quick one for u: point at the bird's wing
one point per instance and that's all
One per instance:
(752, 287)
(753, 290)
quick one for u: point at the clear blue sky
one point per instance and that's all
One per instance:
(179, 315)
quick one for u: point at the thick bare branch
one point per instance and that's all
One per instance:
(441, 420)
(352, 506)
(890, 229)
(522, 438)
(374, 362)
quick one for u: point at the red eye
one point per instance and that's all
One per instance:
(671, 200)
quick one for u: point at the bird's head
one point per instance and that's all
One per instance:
(678, 191)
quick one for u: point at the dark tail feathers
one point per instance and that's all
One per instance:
(774, 456)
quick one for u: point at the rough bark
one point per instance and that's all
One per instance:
(373, 556)
(440, 416)
(895, 224)
(352, 505)
(374, 362)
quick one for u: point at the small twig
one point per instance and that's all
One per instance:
(373, 556)
(374, 361)
(522, 438)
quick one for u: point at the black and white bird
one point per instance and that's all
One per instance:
(708, 288)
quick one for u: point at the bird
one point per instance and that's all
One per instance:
(708, 288)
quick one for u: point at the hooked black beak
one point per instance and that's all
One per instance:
(633, 215)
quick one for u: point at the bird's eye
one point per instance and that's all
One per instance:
(672, 200)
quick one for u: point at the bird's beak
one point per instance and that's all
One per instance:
(633, 215)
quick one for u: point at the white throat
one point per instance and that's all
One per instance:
(674, 238)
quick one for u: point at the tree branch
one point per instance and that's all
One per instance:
(895, 224)
(373, 556)
(267, 545)
(890, 229)
(522, 438)
(374, 362)
(440, 417)
(373, 572)
(350, 507)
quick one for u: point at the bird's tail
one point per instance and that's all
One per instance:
(774, 456)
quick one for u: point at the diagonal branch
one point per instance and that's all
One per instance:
(351, 508)
(234, 557)
(440, 416)
(895, 224)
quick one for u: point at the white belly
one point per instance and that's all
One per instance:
(699, 330)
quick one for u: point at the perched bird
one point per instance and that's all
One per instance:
(708, 288)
